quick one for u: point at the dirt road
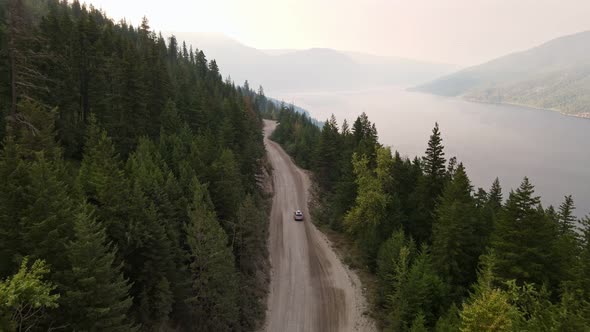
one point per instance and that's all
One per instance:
(311, 290)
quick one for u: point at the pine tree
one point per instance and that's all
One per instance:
(417, 289)
(429, 188)
(567, 244)
(96, 295)
(33, 130)
(566, 217)
(455, 248)
(434, 162)
(214, 287)
(251, 253)
(103, 182)
(450, 321)
(13, 201)
(488, 308)
(523, 239)
(495, 195)
(364, 136)
(327, 155)
(418, 325)
(387, 260)
(48, 219)
(226, 188)
(364, 219)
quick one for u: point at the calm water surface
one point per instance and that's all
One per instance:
(491, 140)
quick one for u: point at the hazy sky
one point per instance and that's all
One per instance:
(453, 31)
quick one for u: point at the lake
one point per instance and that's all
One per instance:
(492, 141)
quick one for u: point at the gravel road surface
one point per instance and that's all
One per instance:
(311, 290)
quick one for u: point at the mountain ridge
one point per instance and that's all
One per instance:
(314, 68)
(554, 76)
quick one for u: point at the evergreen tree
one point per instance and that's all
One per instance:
(434, 162)
(214, 288)
(429, 188)
(226, 188)
(102, 180)
(417, 289)
(523, 239)
(450, 322)
(48, 219)
(455, 249)
(566, 217)
(567, 243)
(365, 219)
(364, 136)
(495, 196)
(251, 254)
(418, 325)
(327, 158)
(584, 269)
(13, 201)
(488, 308)
(389, 257)
(96, 295)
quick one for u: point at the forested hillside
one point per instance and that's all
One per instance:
(447, 256)
(130, 174)
(552, 76)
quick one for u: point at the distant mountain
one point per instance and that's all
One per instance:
(311, 69)
(554, 75)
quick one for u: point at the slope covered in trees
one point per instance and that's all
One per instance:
(554, 76)
(447, 256)
(129, 170)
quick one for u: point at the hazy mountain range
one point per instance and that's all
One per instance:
(316, 69)
(554, 75)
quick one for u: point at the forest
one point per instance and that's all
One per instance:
(131, 179)
(445, 255)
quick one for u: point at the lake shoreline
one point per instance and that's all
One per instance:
(579, 116)
(584, 115)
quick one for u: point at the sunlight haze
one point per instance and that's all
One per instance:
(463, 32)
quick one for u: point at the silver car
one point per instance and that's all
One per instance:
(298, 215)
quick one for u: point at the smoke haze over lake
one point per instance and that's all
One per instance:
(491, 140)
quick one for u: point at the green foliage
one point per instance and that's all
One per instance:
(490, 311)
(455, 250)
(449, 322)
(488, 308)
(385, 202)
(524, 238)
(417, 290)
(429, 188)
(388, 259)
(96, 295)
(108, 129)
(25, 296)
(251, 253)
(298, 135)
(214, 287)
(418, 324)
(328, 155)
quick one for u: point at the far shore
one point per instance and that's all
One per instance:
(584, 115)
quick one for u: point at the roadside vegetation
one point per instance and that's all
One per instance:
(130, 174)
(447, 256)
